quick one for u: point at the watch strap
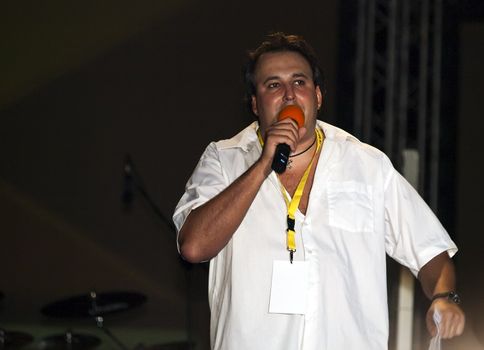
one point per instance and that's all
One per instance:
(451, 296)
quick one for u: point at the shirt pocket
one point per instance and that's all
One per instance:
(350, 206)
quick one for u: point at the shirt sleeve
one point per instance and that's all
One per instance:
(206, 182)
(413, 234)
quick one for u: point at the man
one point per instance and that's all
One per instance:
(350, 208)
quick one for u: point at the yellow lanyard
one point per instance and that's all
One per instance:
(293, 204)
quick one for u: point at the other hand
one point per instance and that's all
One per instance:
(452, 318)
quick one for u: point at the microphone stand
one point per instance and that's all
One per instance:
(135, 179)
(130, 171)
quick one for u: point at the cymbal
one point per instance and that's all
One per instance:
(93, 304)
(14, 340)
(69, 341)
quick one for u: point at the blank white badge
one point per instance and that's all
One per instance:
(289, 287)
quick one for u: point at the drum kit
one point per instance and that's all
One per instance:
(93, 305)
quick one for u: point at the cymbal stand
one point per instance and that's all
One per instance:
(100, 324)
(2, 338)
(100, 321)
(68, 337)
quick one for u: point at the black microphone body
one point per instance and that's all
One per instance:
(281, 157)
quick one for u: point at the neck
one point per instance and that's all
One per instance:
(299, 160)
(308, 140)
(304, 151)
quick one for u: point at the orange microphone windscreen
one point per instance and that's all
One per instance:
(294, 112)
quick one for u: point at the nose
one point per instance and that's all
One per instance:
(288, 92)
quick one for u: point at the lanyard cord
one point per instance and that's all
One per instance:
(293, 204)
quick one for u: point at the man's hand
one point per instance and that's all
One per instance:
(438, 276)
(284, 131)
(452, 318)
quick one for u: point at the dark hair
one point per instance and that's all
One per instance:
(280, 42)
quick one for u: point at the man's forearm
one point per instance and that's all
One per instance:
(438, 275)
(209, 228)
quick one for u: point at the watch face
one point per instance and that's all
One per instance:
(454, 297)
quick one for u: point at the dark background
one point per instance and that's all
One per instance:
(84, 84)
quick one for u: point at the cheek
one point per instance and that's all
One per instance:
(265, 102)
(270, 109)
(311, 96)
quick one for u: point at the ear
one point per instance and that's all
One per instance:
(319, 97)
(253, 100)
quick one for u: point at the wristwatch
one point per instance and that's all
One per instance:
(451, 296)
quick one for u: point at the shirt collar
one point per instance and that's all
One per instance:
(247, 138)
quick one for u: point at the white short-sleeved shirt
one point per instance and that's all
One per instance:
(359, 209)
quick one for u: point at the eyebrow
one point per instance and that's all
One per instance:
(276, 77)
(273, 77)
(300, 75)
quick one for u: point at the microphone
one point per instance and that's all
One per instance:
(128, 188)
(281, 156)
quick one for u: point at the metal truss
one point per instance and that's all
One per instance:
(397, 82)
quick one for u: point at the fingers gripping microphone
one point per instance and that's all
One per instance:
(281, 156)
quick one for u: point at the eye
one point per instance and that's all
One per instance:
(300, 82)
(273, 85)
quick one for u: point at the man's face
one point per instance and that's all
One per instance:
(281, 79)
